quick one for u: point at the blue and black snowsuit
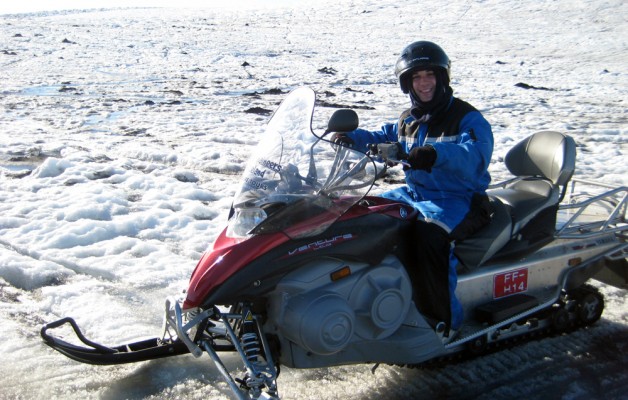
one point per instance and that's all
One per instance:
(463, 141)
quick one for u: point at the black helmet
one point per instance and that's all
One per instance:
(419, 56)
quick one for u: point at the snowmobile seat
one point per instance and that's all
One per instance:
(482, 245)
(543, 164)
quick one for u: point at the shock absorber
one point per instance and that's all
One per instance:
(261, 373)
(251, 346)
(249, 337)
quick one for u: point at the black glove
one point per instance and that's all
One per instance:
(422, 157)
(341, 139)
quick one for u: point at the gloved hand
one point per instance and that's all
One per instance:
(342, 139)
(422, 157)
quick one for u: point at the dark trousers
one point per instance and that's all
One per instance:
(431, 272)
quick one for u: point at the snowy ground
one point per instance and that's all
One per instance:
(122, 134)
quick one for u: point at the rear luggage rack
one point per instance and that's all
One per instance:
(578, 224)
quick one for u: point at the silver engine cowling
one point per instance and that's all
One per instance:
(312, 312)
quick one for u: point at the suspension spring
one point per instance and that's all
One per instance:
(250, 346)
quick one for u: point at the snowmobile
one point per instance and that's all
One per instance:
(311, 271)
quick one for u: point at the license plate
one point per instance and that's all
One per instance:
(509, 283)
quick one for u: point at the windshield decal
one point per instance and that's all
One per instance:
(255, 184)
(273, 166)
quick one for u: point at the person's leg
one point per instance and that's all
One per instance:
(432, 272)
(457, 313)
(434, 276)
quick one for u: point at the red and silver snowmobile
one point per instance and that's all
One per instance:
(312, 272)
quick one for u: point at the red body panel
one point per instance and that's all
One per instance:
(230, 255)
(226, 257)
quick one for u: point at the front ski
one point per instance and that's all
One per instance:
(94, 353)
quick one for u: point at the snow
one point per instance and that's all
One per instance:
(123, 132)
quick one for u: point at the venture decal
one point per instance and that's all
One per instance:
(321, 244)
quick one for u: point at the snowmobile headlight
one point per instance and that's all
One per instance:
(244, 220)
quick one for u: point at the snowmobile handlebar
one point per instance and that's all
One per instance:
(389, 152)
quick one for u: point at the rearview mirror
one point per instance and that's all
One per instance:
(343, 120)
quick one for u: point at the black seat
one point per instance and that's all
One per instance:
(475, 250)
(543, 164)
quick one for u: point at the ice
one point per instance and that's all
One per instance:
(124, 129)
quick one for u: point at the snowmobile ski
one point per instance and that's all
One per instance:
(97, 354)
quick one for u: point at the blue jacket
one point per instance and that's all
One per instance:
(463, 141)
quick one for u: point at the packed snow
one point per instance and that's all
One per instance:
(123, 131)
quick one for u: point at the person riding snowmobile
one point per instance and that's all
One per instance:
(448, 146)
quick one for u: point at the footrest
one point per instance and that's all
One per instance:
(499, 310)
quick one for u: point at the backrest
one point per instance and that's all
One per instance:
(546, 154)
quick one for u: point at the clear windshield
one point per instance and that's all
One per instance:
(294, 181)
